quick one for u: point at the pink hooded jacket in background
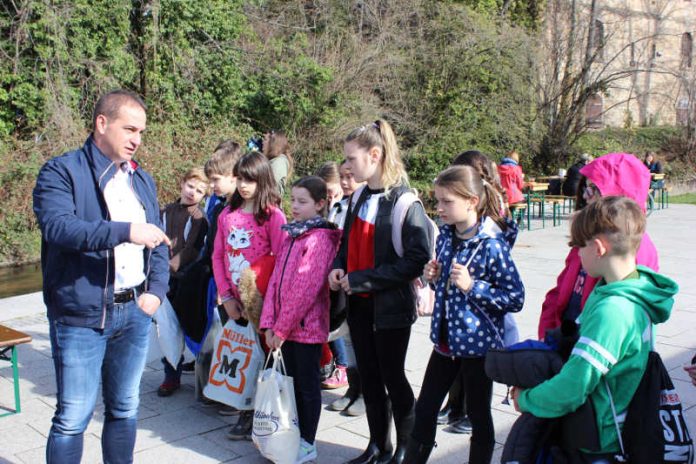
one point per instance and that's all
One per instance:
(296, 305)
(619, 174)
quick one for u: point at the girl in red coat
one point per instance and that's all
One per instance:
(511, 177)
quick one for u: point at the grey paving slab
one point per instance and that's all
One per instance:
(187, 450)
(180, 429)
(173, 426)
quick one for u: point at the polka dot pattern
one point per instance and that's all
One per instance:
(474, 320)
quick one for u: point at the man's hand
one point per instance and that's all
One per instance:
(233, 309)
(148, 303)
(335, 277)
(148, 235)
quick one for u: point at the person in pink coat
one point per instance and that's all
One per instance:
(296, 306)
(612, 174)
(511, 177)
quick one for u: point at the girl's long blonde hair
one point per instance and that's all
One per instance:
(380, 134)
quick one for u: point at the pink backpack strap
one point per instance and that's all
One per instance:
(401, 207)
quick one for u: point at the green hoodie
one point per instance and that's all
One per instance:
(615, 339)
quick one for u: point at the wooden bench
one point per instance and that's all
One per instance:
(9, 339)
(566, 201)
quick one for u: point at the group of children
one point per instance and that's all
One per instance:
(341, 241)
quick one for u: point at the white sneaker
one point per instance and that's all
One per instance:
(306, 452)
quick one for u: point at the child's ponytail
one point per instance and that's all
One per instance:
(393, 170)
(380, 134)
(489, 204)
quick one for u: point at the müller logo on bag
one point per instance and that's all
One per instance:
(231, 362)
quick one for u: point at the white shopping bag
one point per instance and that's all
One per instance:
(276, 432)
(205, 355)
(169, 332)
(237, 360)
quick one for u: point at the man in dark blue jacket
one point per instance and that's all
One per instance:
(105, 270)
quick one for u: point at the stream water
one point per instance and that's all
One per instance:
(18, 280)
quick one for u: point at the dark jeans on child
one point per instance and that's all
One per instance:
(380, 356)
(172, 375)
(439, 375)
(338, 350)
(302, 364)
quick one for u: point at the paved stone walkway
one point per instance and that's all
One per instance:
(178, 430)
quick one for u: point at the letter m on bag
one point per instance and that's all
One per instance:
(230, 366)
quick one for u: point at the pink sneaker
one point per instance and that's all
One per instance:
(338, 379)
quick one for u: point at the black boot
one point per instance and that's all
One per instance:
(404, 426)
(416, 452)
(380, 449)
(368, 455)
(481, 453)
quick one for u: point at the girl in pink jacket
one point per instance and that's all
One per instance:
(612, 174)
(296, 306)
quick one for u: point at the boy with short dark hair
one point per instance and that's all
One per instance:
(220, 171)
(615, 326)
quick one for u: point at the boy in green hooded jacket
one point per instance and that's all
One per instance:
(615, 325)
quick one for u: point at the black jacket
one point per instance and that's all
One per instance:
(389, 282)
(572, 180)
(561, 438)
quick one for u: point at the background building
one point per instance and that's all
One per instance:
(646, 49)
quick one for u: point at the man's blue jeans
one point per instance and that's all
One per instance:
(82, 357)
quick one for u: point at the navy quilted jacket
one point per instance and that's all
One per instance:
(475, 319)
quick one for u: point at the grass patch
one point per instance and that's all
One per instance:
(686, 198)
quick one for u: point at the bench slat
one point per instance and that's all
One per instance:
(12, 337)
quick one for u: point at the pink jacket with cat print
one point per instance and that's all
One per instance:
(239, 242)
(296, 305)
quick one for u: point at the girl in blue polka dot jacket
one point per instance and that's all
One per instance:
(476, 282)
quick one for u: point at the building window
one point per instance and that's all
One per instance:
(682, 111)
(633, 63)
(594, 109)
(687, 49)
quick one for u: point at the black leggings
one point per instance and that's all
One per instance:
(457, 397)
(381, 357)
(302, 363)
(439, 375)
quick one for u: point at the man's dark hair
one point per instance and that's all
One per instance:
(109, 104)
